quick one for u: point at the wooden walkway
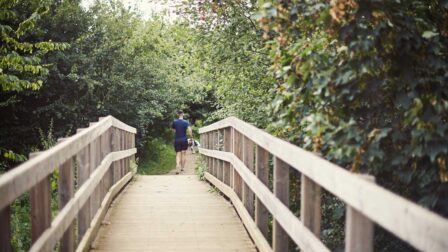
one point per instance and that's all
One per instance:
(171, 213)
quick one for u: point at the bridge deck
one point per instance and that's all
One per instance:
(171, 213)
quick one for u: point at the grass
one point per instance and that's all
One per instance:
(160, 158)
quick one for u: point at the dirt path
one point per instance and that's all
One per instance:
(190, 166)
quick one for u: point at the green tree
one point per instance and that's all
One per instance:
(20, 53)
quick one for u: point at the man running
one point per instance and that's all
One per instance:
(180, 127)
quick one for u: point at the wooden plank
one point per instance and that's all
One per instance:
(66, 192)
(248, 159)
(280, 239)
(210, 224)
(410, 222)
(358, 228)
(21, 179)
(227, 148)
(40, 200)
(262, 173)
(310, 213)
(84, 244)
(62, 221)
(120, 125)
(83, 162)
(5, 229)
(216, 147)
(245, 216)
(217, 125)
(133, 156)
(210, 145)
(94, 161)
(117, 164)
(238, 151)
(301, 235)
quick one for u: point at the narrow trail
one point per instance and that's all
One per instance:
(192, 159)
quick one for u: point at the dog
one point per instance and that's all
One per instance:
(194, 145)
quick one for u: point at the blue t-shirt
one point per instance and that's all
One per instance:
(181, 126)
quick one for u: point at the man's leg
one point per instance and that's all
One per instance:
(178, 160)
(184, 158)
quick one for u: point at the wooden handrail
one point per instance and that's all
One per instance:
(20, 179)
(410, 222)
(102, 154)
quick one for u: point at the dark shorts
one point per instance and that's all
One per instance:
(181, 145)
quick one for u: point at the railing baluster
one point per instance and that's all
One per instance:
(209, 146)
(262, 172)
(248, 159)
(227, 147)
(66, 192)
(94, 160)
(40, 198)
(83, 163)
(238, 151)
(310, 213)
(281, 191)
(358, 228)
(133, 146)
(105, 149)
(220, 162)
(214, 145)
(5, 229)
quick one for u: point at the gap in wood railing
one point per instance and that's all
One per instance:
(385, 239)
(294, 200)
(271, 172)
(333, 221)
(294, 189)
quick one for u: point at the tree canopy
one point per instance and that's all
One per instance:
(363, 83)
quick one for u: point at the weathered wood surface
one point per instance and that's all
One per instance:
(289, 222)
(63, 220)
(410, 222)
(25, 176)
(171, 213)
(255, 233)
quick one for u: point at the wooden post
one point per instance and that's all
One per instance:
(122, 164)
(5, 229)
(262, 172)
(105, 149)
(227, 147)
(211, 146)
(238, 151)
(117, 167)
(214, 160)
(281, 191)
(358, 228)
(83, 163)
(94, 161)
(207, 146)
(310, 213)
(66, 192)
(220, 162)
(40, 198)
(133, 146)
(248, 159)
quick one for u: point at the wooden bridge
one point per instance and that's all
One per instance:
(180, 213)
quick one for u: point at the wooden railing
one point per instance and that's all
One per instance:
(237, 156)
(94, 165)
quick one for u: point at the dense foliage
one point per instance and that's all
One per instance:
(233, 62)
(364, 83)
(361, 82)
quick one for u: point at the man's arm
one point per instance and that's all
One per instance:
(190, 132)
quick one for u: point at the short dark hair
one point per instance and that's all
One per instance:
(179, 112)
